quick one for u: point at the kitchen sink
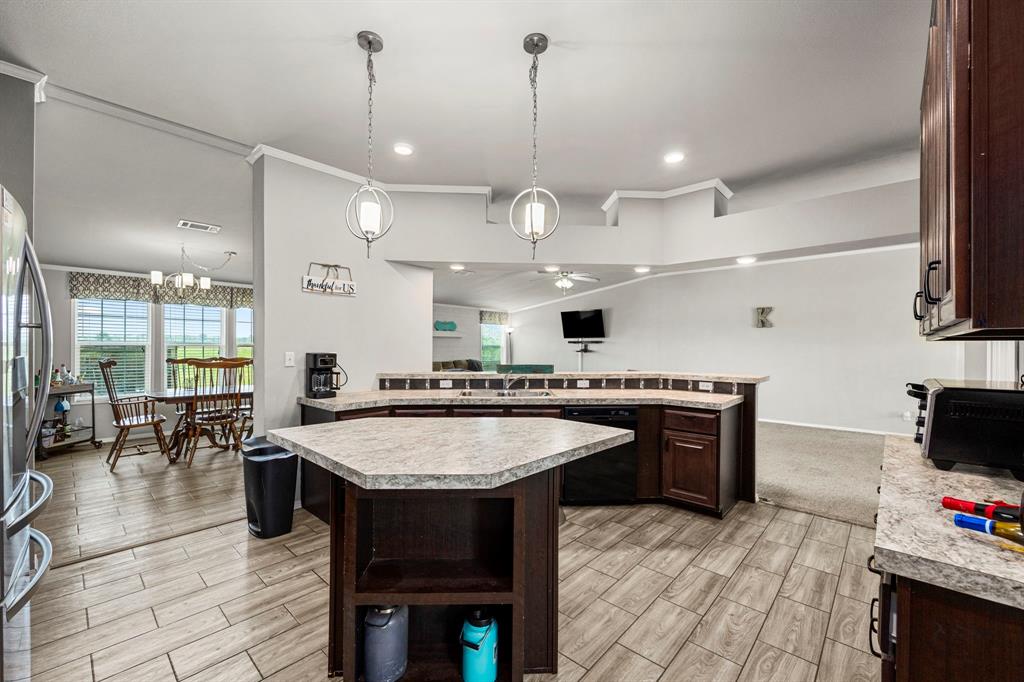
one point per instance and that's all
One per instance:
(499, 393)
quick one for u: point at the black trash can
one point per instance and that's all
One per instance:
(269, 473)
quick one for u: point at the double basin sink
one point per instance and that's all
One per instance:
(501, 393)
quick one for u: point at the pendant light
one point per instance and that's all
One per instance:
(534, 212)
(369, 213)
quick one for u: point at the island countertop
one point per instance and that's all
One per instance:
(916, 537)
(444, 454)
(361, 400)
(558, 376)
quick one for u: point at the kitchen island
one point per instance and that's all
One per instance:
(437, 514)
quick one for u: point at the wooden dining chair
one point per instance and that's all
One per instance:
(245, 425)
(180, 378)
(134, 412)
(216, 405)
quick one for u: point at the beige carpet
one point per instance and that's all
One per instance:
(820, 471)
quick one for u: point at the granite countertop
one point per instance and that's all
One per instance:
(584, 396)
(916, 537)
(628, 374)
(444, 454)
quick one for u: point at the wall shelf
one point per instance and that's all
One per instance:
(447, 335)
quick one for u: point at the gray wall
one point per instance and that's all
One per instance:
(299, 217)
(843, 344)
(464, 347)
(17, 141)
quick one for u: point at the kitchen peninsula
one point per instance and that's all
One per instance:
(442, 514)
(695, 433)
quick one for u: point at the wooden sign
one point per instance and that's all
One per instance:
(326, 284)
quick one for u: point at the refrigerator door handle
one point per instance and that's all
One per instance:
(15, 603)
(46, 325)
(32, 512)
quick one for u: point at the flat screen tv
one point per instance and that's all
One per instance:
(583, 324)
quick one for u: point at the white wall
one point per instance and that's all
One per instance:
(467, 321)
(298, 218)
(843, 344)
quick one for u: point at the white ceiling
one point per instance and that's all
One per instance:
(744, 88)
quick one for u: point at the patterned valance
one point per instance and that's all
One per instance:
(130, 288)
(493, 317)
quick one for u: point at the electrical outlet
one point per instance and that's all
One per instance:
(583, 383)
(907, 417)
(445, 383)
(705, 386)
(289, 358)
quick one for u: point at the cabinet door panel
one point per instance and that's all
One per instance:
(421, 412)
(550, 412)
(689, 468)
(478, 412)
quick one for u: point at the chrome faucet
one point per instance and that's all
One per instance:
(509, 379)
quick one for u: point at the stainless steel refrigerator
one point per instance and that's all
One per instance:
(26, 334)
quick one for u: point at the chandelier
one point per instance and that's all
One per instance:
(369, 213)
(185, 278)
(534, 212)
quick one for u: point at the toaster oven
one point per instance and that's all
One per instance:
(971, 422)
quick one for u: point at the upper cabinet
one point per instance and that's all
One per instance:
(972, 172)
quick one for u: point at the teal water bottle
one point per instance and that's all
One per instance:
(479, 639)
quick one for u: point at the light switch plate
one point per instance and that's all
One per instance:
(705, 385)
(289, 358)
(583, 383)
(445, 383)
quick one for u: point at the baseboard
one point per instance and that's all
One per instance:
(834, 428)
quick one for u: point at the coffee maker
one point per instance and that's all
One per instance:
(321, 379)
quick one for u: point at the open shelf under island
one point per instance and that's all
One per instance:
(437, 514)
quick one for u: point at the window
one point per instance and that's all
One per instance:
(119, 330)
(492, 339)
(243, 332)
(192, 331)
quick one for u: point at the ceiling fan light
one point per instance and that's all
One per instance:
(564, 283)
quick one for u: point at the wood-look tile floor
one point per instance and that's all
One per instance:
(646, 593)
(95, 511)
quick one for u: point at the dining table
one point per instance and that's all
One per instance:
(186, 396)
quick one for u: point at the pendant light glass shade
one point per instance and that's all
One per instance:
(534, 213)
(369, 213)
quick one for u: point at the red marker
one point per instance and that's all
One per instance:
(998, 509)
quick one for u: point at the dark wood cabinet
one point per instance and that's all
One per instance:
(421, 412)
(689, 468)
(549, 412)
(925, 633)
(972, 169)
(478, 412)
(700, 458)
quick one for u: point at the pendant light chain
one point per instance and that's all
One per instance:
(371, 80)
(533, 86)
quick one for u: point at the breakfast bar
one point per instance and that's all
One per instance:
(437, 515)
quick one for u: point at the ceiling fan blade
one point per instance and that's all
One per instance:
(584, 277)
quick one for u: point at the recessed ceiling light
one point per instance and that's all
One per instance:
(403, 148)
(551, 268)
(746, 260)
(457, 267)
(642, 269)
(674, 157)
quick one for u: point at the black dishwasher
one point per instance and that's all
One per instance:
(606, 477)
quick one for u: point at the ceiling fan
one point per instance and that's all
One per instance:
(565, 279)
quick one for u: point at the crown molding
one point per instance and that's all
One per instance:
(713, 183)
(21, 73)
(262, 150)
(154, 122)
